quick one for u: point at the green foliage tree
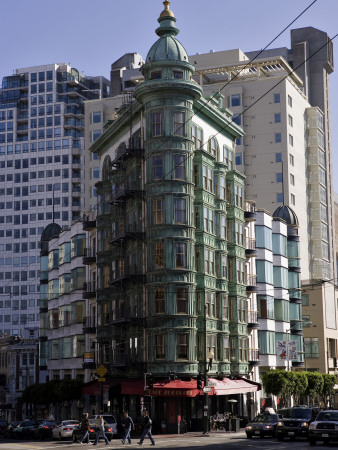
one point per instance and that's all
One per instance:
(328, 388)
(300, 386)
(276, 382)
(315, 385)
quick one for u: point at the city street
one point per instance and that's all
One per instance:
(214, 441)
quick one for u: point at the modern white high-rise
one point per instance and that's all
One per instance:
(41, 176)
(281, 97)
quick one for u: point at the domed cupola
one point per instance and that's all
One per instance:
(287, 214)
(167, 47)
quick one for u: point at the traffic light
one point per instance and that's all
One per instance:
(199, 382)
(150, 381)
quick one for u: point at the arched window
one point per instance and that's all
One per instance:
(106, 168)
(213, 147)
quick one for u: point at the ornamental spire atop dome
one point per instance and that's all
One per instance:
(166, 11)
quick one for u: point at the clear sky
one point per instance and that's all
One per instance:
(90, 35)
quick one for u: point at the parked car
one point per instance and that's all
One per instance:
(65, 429)
(324, 428)
(24, 429)
(42, 429)
(297, 423)
(262, 425)
(78, 433)
(110, 419)
(10, 429)
(3, 426)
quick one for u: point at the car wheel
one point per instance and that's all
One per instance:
(60, 437)
(74, 438)
(312, 441)
(280, 437)
(249, 436)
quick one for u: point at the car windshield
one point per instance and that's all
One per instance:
(328, 415)
(109, 419)
(26, 423)
(301, 413)
(265, 418)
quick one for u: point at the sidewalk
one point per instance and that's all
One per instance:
(212, 434)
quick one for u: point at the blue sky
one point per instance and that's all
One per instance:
(90, 35)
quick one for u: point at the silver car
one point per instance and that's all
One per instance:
(65, 429)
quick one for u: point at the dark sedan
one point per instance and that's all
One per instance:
(43, 429)
(23, 429)
(93, 427)
(324, 428)
(262, 425)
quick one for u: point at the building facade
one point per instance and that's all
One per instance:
(172, 291)
(41, 176)
(276, 95)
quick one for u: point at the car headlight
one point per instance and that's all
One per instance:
(312, 426)
(268, 427)
(304, 424)
(279, 424)
(248, 427)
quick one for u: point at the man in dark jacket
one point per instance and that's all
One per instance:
(128, 425)
(147, 428)
(85, 429)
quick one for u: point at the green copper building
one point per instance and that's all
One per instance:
(171, 282)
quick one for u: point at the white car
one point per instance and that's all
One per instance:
(65, 429)
(110, 419)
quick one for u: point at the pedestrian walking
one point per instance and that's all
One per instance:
(85, 429)
(128, 425)
(147, 428)
(100, 431)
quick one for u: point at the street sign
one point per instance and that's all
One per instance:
(102, 380)
(101, 370)
(207, 389)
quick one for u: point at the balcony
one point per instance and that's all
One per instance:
(296, 327)
(121, 192)
(251, 283)
(250, 211)
(121, 236)
(253, 319)
(89, 325)
(254, 357)
(89, 222)
(89, 289)
(250, 247)
(125, 275)
(89, 256)
(125, 153)
(294, 264)
(295, 295)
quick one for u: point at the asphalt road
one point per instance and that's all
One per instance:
(190, 441)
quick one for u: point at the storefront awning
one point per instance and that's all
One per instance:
(94, 387)
(174, 388)
(132, 387)
(167, 388)
(229, 386)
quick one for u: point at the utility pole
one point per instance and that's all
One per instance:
(206, 395)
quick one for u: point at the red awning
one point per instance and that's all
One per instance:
(167, 388)
(174, 388)
(132, 387)
(229, 386)
(94, 387)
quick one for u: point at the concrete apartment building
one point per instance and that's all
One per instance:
(277, 94)
(41, 176)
